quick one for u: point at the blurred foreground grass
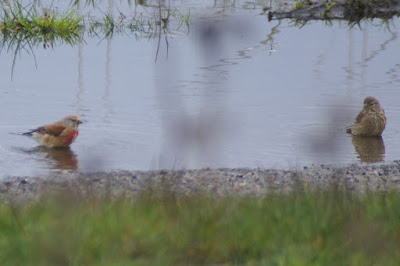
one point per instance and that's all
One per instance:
(319, 228)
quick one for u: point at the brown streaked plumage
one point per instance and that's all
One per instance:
(371, 121)
(58, 134)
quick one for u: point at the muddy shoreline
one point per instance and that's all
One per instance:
(215, 182)
(350, 10)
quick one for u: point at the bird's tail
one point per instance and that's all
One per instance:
(23, 133)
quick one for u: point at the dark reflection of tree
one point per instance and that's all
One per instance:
(195, 134)
(369, 149)
(383, 46)
(270, 37)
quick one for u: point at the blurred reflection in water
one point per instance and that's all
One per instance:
(369, 149)
(194, 120)
(63, 158)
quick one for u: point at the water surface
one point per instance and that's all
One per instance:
(234, 91)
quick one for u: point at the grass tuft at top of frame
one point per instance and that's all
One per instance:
(47, 27)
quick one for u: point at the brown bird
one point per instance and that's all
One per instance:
(371, 121)
(58, 134)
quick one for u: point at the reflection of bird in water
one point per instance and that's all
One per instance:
(370, 149)
(64, 159)
(371, 121)
(58, 134)
(58, 159)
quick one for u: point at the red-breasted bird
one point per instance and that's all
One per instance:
(59, 134)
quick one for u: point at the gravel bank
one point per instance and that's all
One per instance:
(305, 10)
(217, 182)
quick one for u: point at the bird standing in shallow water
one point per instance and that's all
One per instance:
(371, 121)
(59, 134)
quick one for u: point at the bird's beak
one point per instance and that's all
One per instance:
(79, 122)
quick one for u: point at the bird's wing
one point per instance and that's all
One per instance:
(39, 130)
(359, 117)
(52, 129)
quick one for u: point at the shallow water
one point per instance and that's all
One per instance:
(227, 94)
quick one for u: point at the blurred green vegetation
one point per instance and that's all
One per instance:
(48, 25)
(20, 25)
(318, 228)
(25, 27)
